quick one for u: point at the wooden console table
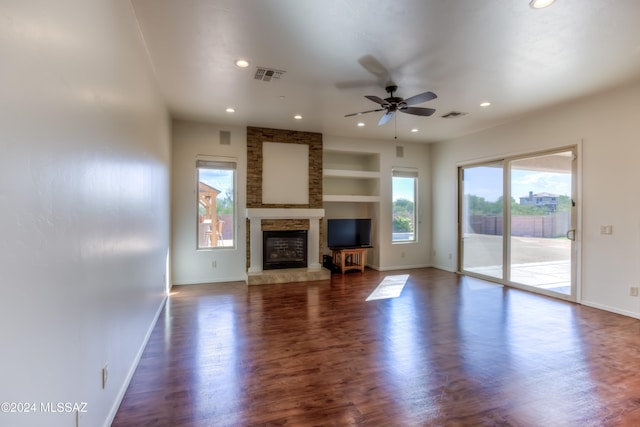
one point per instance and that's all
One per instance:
(349, 259)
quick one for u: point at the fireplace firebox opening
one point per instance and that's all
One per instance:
(284, 249)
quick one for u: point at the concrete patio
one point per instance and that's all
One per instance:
(540, 262)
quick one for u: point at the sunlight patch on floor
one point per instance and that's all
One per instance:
(390, 287)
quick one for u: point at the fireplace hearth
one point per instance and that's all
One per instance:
(284, 249)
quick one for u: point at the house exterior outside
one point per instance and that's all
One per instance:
(546, 200)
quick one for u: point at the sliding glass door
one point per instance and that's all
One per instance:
(542, 231)
(530, 241)
(481, 219)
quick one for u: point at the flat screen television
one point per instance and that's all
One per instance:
(349, 233)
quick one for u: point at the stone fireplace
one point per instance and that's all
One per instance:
(284, 193)
(284, 249)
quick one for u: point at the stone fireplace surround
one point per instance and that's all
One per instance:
(276, 216)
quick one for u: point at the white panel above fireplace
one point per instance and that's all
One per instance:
(285, 173)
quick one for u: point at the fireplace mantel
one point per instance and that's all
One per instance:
(284, 213)
(256, 215)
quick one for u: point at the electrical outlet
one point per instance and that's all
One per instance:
(105, 376)
(401, 254)
(214, 264)
(633, 291)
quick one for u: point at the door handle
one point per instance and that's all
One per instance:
(571, 234)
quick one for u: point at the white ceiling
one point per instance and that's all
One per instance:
(466, 51)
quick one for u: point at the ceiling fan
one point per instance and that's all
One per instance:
(392, 104)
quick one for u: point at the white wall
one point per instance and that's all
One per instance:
(84, 205)
(190, 265)
(608, 125)
(385, 255)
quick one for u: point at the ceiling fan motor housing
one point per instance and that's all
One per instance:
(393, 101)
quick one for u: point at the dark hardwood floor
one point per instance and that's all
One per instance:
(450, 351)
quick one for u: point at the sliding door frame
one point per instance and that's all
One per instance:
(460, 251)
(576, 219)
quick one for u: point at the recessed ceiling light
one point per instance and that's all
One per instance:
(414, 130)
(360, 124)
(242, 63)
(485, 104)
(541, 4)
(230, 110)
(297, 117)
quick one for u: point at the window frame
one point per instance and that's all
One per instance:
(404, 172)
(215, 163)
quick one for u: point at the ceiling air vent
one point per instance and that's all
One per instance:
(267, 74)
(454, 114)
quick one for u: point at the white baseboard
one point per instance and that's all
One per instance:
(403, 267)
(610, 309)
(134, 366)
(217, 280)
(444, 268)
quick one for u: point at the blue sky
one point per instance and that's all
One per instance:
(219, 179)
(403, 188)
(487, 182)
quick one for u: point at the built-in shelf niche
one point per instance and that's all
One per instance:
(351, 176)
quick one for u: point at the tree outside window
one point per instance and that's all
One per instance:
(216, 195)
(404, 185)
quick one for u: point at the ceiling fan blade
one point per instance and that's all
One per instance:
(364, 112)
(385, 118)
(376, 99)
(351, 84)
(418, 111)
(375, 67)
(420, 98)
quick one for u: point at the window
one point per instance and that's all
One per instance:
(404, 191)
(216, 203)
